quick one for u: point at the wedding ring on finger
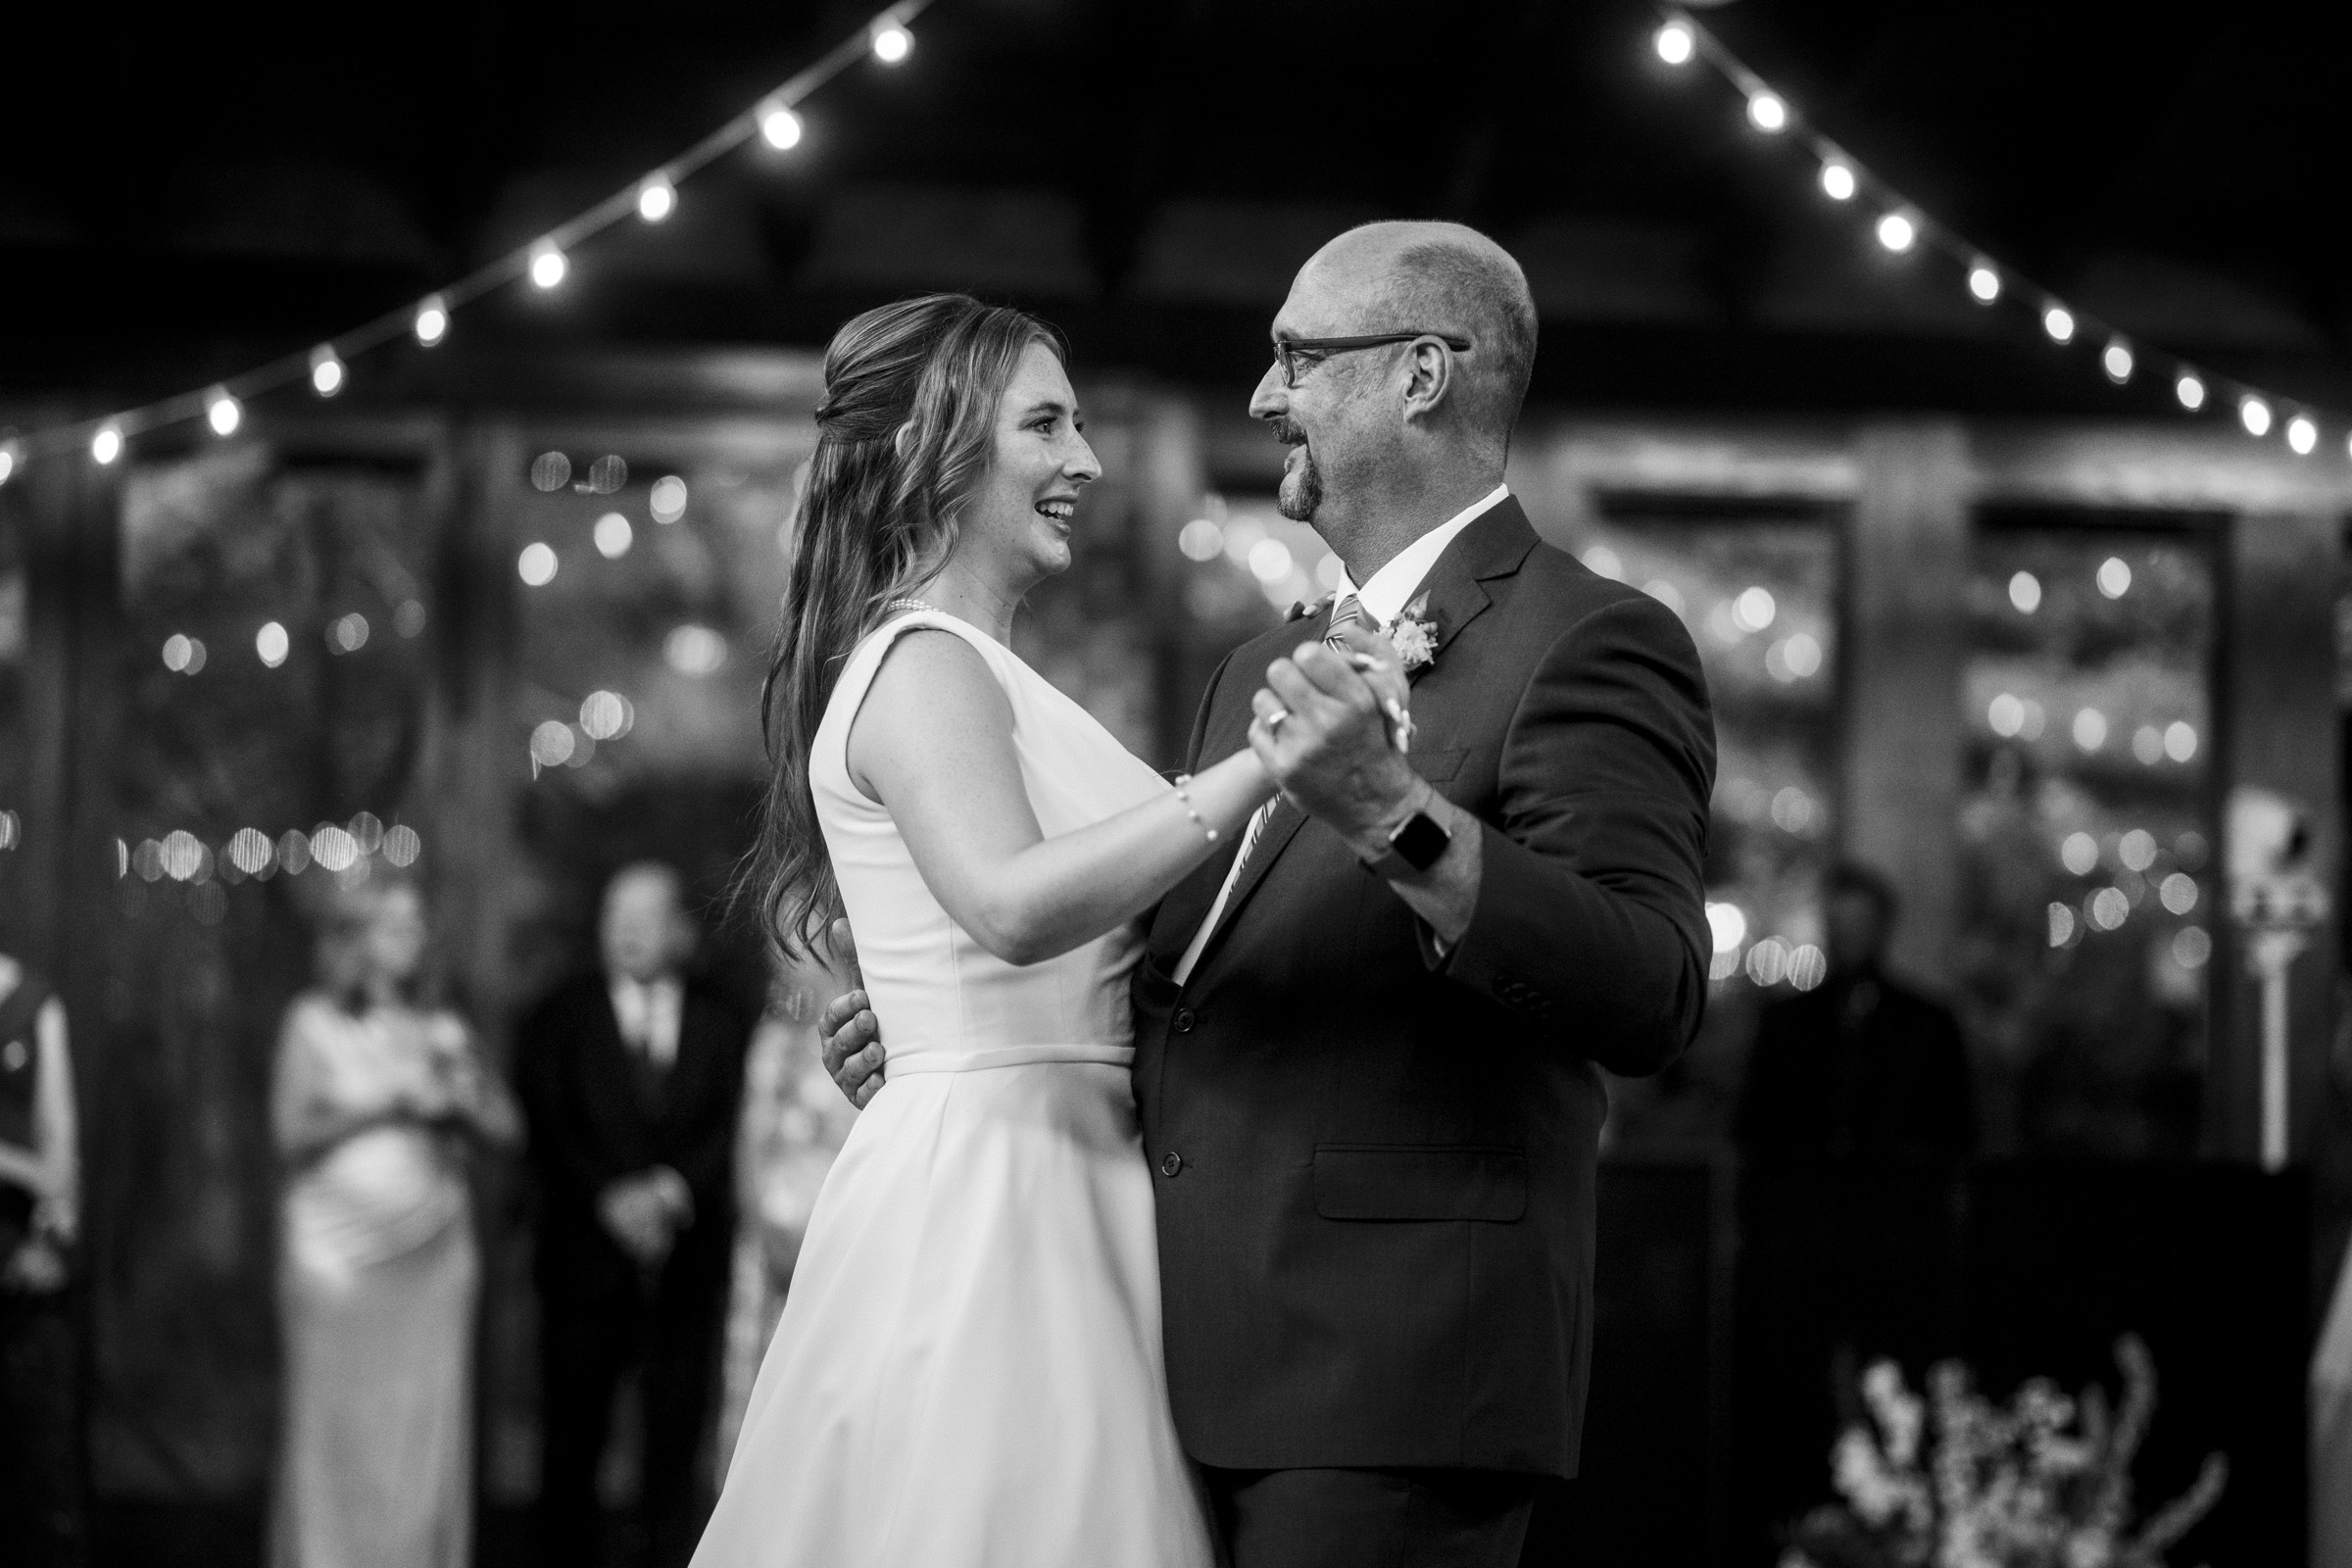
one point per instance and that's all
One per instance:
(1273, 720)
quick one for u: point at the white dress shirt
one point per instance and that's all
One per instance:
(1380, 601)
(648, 1012)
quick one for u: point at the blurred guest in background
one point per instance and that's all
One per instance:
(40, 1186)
(378, 1097)
(1860, 1067)
(793, 1122)
(631, 1079)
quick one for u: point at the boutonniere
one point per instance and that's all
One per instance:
(1414, 636)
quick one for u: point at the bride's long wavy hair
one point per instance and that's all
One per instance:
(905, 433)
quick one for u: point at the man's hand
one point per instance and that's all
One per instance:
(851, 1035)
(1322, 731)
(642, 1214)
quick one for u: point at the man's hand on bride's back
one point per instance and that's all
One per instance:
(852, 1034)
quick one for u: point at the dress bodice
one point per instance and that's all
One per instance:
(944, 1002)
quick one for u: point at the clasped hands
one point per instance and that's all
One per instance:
(1322, 726)
(643, 1212)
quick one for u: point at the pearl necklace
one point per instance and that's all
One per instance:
(914, 603)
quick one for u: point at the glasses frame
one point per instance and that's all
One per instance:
(1315, 350)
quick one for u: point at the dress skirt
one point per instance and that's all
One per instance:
(969, 1370)
(375, 1458)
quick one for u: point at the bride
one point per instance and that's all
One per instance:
(968, 1369)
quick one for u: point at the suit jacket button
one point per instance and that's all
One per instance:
(1172, 1165)
(1183, 1026)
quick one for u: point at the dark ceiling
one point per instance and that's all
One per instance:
(191, 191)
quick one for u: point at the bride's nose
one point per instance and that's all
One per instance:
(1081, 466)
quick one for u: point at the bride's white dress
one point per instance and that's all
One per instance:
(968, 1369)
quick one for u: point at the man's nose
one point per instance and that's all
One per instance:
(1272, 398)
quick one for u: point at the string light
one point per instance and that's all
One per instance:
(887, 36)
(1900, 227)
(780, 127)
(223, 411)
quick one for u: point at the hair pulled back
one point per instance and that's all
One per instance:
(905, 433)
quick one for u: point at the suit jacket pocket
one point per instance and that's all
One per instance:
(1438, 766)
(1419, 1181)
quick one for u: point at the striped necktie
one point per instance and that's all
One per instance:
(1345, 613)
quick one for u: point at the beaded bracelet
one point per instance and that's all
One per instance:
(1184, 800)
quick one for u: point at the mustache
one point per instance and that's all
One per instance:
(1286, 430)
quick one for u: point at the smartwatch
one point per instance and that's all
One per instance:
(1417, 843)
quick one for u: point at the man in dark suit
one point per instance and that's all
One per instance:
(1370, 1037)
(631, 1077)
(1861, 1067)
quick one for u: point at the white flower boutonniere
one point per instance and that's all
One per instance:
(1414, 636)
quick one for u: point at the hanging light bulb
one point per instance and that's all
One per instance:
(2059, 322)
(107, 445)
(548, 265)
(2117, 361)
(2302, 435)
(780, 127)
(223, 411)
(1675, 43)
(2254, 414)
(2189, 390)
(1767, 113)
(1836, 180)
(1897, 232)
(327, 371)
(656, 198)
(433, 319)
(892, 42)
(1984, 282)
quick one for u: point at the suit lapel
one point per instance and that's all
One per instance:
(1493, 546)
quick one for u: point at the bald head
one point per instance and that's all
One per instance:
(1440, 278)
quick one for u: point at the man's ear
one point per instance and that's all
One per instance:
(1429, 378)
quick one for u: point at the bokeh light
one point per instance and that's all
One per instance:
(1754, 609)
(2108, 909)
(2254, 414)
(2117, 361)
(432, 320)
(1605, 563)
(1767, 113)
(891, 43)
(107, 445)
(1897, 232)
(2180, 740)
(607, 715)
(1200, 539)
(1838, 182)
(669, 499)
(656, 198)
(1675, 43)
(2190, 390)
(548, 265)
(2192, 947)
(2090, 729)
(2079, 852)
(2302, 435)
(326, 371)
(552, 743)
(1984, 282)
(2061, 925)
(272, 644)
(780, 127)
(536, 566)
(2025, 592)
(613, 536)
(2114, 578)
(695, 650)
(2136, 849)
(332, 848)
(2059, 322)
(294, 851)
(223, 413)
(549, 472)
(2179, 892)
(1727, 925)
(402, 845)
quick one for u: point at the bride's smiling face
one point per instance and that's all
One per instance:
(1018, 519)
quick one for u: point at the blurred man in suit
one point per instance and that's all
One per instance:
(631, 1076)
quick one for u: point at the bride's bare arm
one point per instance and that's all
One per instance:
(933, 742)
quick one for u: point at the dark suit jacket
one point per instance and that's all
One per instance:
(1860, 1068)
(1375, 1164)
(591, 1124)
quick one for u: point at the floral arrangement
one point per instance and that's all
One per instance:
(1953, 1480)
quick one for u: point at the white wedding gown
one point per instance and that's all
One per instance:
(969, 1370)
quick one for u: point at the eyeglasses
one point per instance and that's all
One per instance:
(1295, 353)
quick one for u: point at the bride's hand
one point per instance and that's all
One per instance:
(850, 1035)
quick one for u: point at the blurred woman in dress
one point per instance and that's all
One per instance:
(40, 1186)
(379, 1098)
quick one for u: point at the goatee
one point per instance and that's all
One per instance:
(1300, 492)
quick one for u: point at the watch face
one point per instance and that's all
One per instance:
(1421, 841)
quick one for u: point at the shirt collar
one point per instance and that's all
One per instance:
(1391, 587)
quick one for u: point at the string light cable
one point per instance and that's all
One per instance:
(1900, 225)
(887, 36)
